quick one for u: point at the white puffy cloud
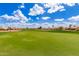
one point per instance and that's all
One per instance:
(74, 18)
(70, 4)
(46, 18)
(7, 17)
(54, 7)
(36, 10)
(17, 15)
(62, 19)
(20, 15)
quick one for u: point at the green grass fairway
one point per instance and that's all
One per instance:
(38, 43)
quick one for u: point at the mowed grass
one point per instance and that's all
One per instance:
(39, 43)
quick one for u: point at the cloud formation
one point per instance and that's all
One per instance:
(46, 18)
(41, 11)
(17, 15)
(62, 19)
(70, 4)
(54, 7)
(74, 18)
(36, 10)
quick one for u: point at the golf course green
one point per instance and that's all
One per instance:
(39, 43)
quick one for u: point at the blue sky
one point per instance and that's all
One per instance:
(23, 13)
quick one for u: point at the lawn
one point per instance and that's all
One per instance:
(39, 43)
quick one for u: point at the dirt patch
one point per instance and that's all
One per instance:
(9, 30)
